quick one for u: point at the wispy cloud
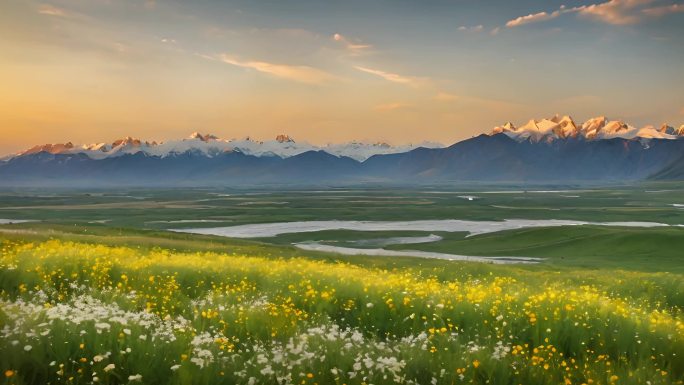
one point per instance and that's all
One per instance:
(51, 10)
(617, 12)
(392, 77)
(477, 28)
(532, 18)
(298, 73)
(355, 48)
(614, 12)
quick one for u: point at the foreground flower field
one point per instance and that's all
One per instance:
(80, 313)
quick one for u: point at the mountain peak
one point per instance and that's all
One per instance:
(203, 138)
(282, 138)
(209, 145)
(508, 126)
(51, 148)
(667, 129)
(596, 128)
(127, 141)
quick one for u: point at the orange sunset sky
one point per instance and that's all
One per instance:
(396, 71)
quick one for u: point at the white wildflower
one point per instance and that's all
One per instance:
(267, 371)
(197, 361)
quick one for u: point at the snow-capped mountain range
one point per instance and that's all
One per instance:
(564, 127)
(283, 146)
(553, 150)
(210, 145)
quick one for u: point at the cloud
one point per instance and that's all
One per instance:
(616, 12)
(392, 77)
(663, 10)
(303, 74)
(50, 10)
(392, 107)
(354, 48)
(495, 31)
(477, 28)
(532, 18)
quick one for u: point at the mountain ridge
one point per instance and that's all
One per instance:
(485, 158)
(547, 129)
(283, 146)
(597, 128)
(548, 150)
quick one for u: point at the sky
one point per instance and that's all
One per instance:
(399, 71)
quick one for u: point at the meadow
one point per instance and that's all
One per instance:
(125, 302)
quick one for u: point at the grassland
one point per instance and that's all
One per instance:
(125, 302)
(153, 209)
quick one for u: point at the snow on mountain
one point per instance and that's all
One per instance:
(363, 151)
(679, 131)
(51, 148)
(210, 145)
(597, 128)
(284, 138)
(567, 126)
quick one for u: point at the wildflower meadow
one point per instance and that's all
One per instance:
(83, 313)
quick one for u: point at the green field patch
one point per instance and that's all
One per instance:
(643, 249)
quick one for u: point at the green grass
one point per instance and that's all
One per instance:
(248, 310)
(640, 249)
(146, 208)
(609, 299)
